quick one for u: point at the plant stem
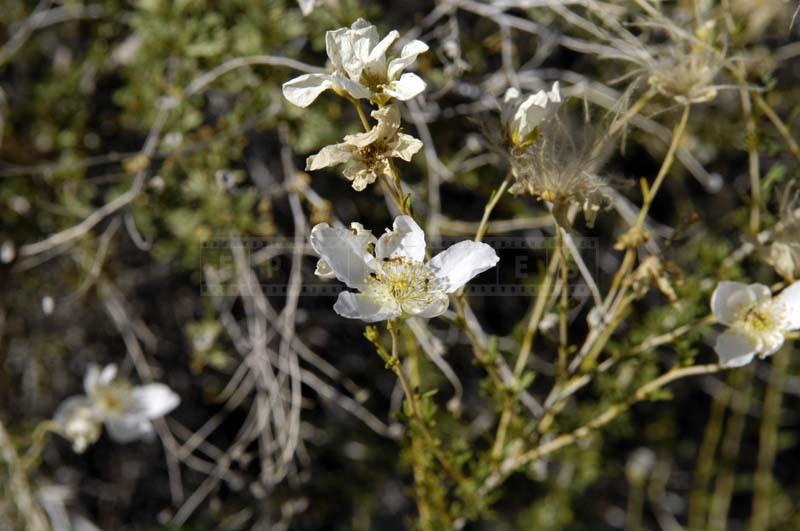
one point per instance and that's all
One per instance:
(524, 352)
(768, 441)
(416, 414)
(514, 463)
(487, 211)
(16, 487)
(729, 453)
(561, 372)
(705, 461)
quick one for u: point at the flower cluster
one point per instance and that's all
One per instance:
(391, 273)
(757, 321)
(125, 410)
(361, 68)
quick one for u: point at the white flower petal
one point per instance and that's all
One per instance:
(129, 428)
(436, 308)
(405, 240)
(94, 377)
(360, 175)
(405, 88)
(323, 270)
(509, 107)
(364, 236)
(363, 40)
(790, 300)
(760, 292)
(735, 349)
(348, 47)
(511, 95)
(723, 310)
(91, 378)
(772, 342)
(362, 306)
(457, 265)
(354, 88)
(389, 121)
(152, 401)
(535, 109)
(408, 55)
(303, 90)
(330, 156)
(344, 253)
(406, 146)
(376, 60)
(361, 140)
(333, 40)
(108, 374)
(68, 407)
(77, 422)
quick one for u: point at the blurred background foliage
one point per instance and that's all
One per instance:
(81, 91)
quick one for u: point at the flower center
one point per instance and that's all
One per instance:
(111, 399)
(761, 317)
(406, 283)
(371, 154)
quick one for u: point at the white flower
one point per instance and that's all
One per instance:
(126, 411)
(361, 68)
(369, 152)
(521, 116)
(392, 276)
(757, 320)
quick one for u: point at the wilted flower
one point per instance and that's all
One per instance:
(369, 152)
(784, 255)
(784, 252)
(551, 159)
(361, 68)
(682, 68)
(757, 320)
(391, 274)
(521, 116)
(555, 170)
(126, 411)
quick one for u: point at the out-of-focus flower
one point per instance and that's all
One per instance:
(126, 410)
(757, 321)
(684, 68)
(78, 422)
(306, 6)
(48, 305)
(394, 279)
(639, 465)
(784, 252)
(522, 115)
(369, 152)
(361, 68)
(7, 252)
